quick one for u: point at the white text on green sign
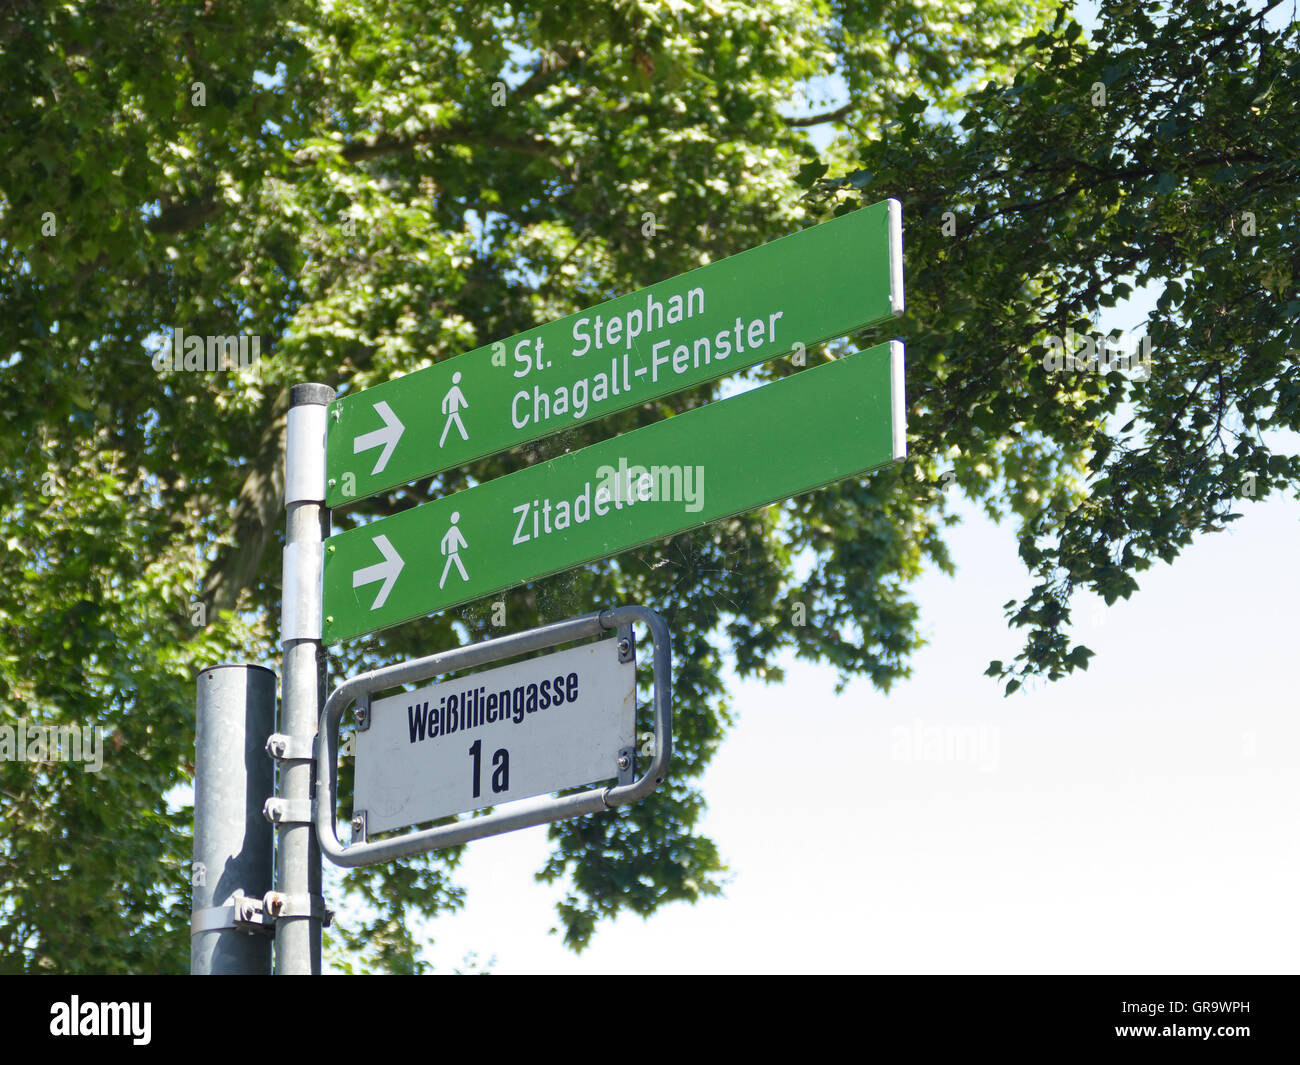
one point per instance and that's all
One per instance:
(814, 427)
(787, 295)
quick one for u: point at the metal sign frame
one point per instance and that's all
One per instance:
(359, 689)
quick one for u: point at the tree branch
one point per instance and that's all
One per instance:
(817, 120)
(464, 132)
(381, 144)
(255, 515)
(182, 217)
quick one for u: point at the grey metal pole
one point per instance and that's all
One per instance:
(232, 840)
(298, 859)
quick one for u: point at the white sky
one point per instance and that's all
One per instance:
(1136, 818)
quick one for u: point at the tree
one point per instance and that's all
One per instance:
(1162, 153)
(365, 189)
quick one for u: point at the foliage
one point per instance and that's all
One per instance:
(366, 188)
(1163, 153)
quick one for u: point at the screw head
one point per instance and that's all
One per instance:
(624, 761)
(623, 647)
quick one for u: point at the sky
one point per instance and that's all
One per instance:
(1135, 818)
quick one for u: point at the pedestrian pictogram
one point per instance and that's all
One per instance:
(452, 542)
(452, 403)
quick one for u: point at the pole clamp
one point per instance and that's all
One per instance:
(258, 916)
(278, 905)
(242, 914)
(291, 748)
(287, 811)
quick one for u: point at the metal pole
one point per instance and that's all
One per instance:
(298, 859)
(232, 840)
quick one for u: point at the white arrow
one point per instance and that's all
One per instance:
(388, 436)
(385, 571)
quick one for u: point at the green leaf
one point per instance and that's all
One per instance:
(809, 173)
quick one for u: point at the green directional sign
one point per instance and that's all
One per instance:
(811, 286)
(814, 427)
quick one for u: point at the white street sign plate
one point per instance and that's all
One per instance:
(526, 729)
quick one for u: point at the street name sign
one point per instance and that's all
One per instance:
(819, 425)
(802, 289)
(516, 731)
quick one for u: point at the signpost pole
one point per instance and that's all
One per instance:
(235, 711)
(298, 860)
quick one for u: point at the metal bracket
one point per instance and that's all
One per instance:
(290, 748)
(300, 610)
(242, 913)
(245, 913)
(626, 653)
(593, 800)
(358, 826)
(287, 811)
(277, 905)
(361, 712)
